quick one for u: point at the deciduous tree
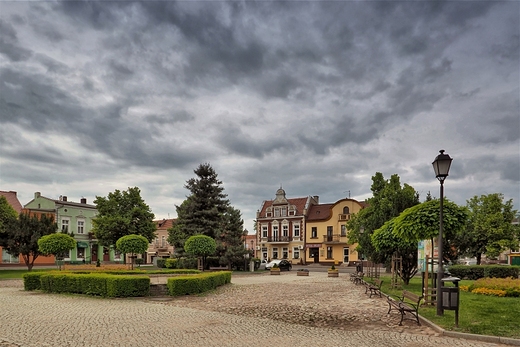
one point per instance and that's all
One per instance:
(21, 236)
(200, 246)
(489, 230)
(389, 200)
(132, 244)
(120, 214)
(56, 244)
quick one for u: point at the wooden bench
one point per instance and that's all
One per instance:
(374, 288)
(407, 303)
(357, 278)
(218, 268)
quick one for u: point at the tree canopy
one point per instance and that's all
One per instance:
(230, 243)
(386, 243)
(56, 244)
(200, 246)
(7, 214)
(489, 230)
(21, 236)
(389, 200)
(120, 214)
(207, 211)
(132, 244)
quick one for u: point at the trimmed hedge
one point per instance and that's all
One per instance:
(194, 284)
(31, 281)
(181, 263)
(161, 263)
(100, 284)
(474, 272)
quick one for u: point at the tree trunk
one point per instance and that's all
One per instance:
(479, 258)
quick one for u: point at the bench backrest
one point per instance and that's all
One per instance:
(378, 282)
(412, 297)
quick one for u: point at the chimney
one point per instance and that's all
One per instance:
(37, 195)
(83, 200)
(316, 198)
(64, 198)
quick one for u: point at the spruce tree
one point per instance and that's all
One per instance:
(203, 212)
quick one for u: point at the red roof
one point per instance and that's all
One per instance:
(319, 212)
(298, 202)
(12, 200)
(164, 224)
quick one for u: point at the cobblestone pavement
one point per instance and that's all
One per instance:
(255, 310)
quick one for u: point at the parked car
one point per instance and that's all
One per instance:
(283, 264)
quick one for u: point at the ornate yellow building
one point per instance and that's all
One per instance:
(326, 239)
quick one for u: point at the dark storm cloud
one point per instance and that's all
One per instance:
(314, 96)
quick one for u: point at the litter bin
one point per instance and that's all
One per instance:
(450, 296)
(359, 267)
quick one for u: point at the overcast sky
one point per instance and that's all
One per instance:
(315, 97)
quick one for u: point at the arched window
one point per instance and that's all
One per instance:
(346, 210)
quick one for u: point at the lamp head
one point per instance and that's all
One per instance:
(441, 165)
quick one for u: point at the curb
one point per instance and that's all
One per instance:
(483, 338)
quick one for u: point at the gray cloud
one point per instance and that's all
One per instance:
(316, 96)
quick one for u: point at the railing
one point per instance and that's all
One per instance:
(279, 239)
(336, 238)
(344, 217)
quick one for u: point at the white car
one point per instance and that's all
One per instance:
(268, 266)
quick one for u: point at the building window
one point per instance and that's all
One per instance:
(285, 230)
(81, 253)
(296, 253)
(296, 230)
(156, 241)
(277, 212)
(314, 233)
(81, 226)
(8, 258)
(64, 225)
(284, 211)
(275, 253)
(285, 253)
(329, 253)
(346, 210)
(264, 231)
(275, 232)
(66, 255)
(343, 230)
(163, 241)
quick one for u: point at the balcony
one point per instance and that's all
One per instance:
(279, 239)
(334, 239)
(344, 217)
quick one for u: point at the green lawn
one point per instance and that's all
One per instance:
(478, 314)
(10, 274)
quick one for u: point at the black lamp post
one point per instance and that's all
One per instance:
(441, 165)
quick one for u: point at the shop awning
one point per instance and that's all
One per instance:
(82, 244)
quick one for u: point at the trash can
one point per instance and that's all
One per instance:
(450, 296)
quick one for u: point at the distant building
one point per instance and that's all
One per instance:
(16, 259)
(76, 218)
(304, 231)
(159, 247)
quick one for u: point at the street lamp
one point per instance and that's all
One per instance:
(441, 165)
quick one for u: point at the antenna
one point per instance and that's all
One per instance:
(348, 193)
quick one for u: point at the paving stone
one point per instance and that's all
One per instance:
(254, 310)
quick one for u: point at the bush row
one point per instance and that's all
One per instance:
(181, 263)
(474, 272)
(194, 284)
(101, 284)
